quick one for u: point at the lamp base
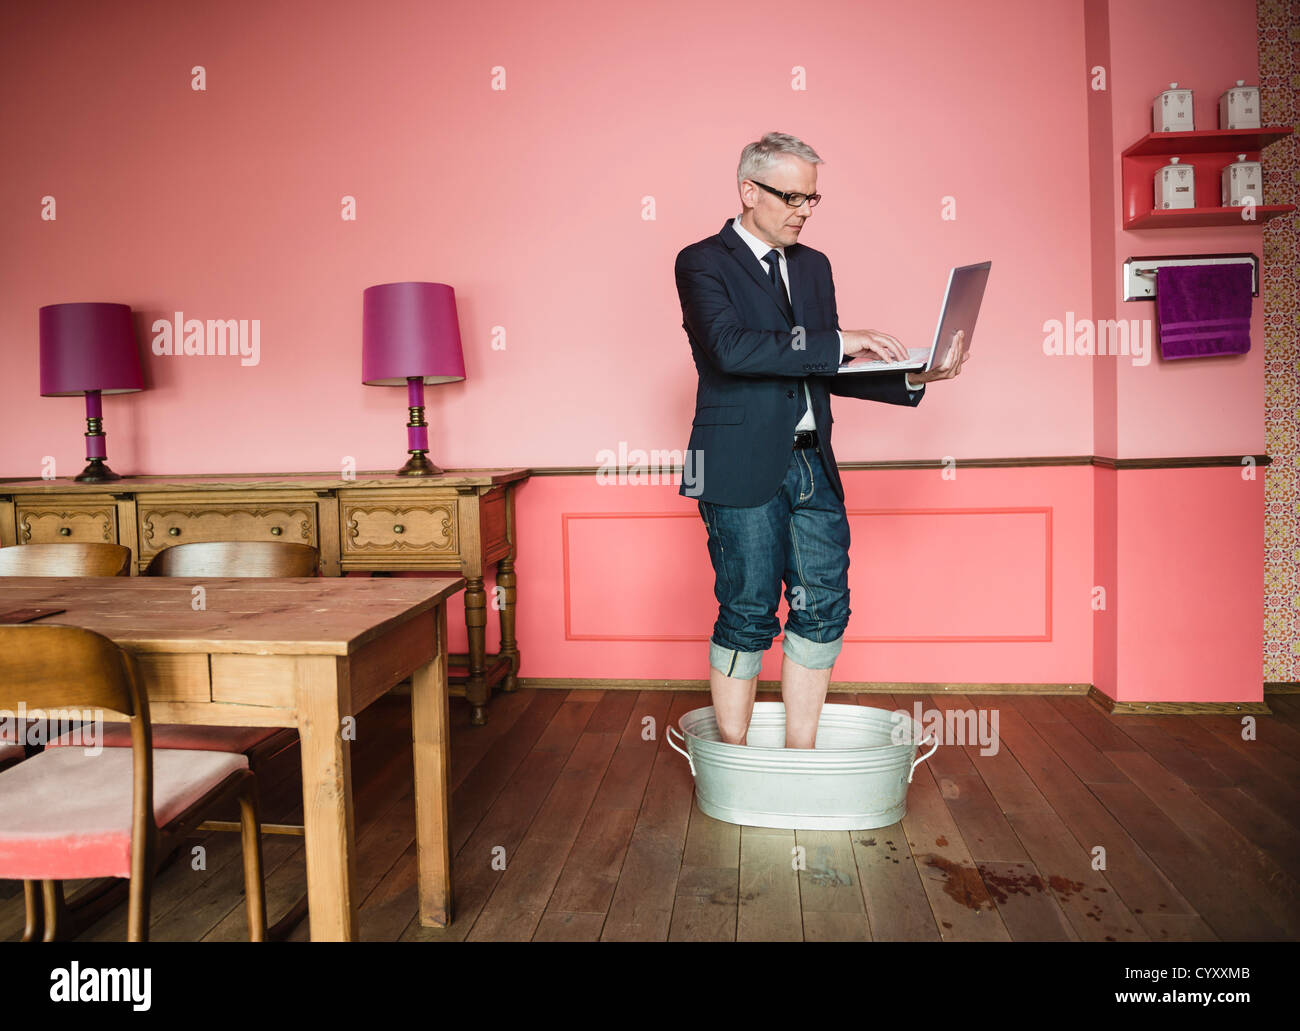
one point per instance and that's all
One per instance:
(419, 465)
(97, 471)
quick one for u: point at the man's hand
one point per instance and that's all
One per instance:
(952, 363)
(888, 348)
(871, 341)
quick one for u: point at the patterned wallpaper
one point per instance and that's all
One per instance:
(1279, 79)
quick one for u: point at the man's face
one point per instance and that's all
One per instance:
(773, 220)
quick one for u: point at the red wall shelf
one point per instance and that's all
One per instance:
(1208, 152)
(1190, 218)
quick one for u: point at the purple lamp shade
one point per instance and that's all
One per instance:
(410, 337)
(89, 349)
(85, 347)
(409, 330)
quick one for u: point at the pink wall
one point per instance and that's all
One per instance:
(226, 204)
(1204, 407)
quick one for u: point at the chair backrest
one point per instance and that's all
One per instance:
(46, 666)
(74, 558)
(52, 666)
(236, 558)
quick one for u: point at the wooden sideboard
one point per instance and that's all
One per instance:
(459, 522)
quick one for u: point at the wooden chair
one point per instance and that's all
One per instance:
(65, 814)
(12, 747)
(259, 744)
(236, 558)
(221, 559)
(71, 559)
(10, 753)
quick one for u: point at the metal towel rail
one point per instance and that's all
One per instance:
(1140, 273)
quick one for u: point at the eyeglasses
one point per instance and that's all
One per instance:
(795, 200)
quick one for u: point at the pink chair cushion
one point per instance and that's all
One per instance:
(180, 735)
(66, 815)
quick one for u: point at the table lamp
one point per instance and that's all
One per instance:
(410, 337)
(90, 349)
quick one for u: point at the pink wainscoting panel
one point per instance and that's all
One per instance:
(1190, 598)
(621, 582)
(1006, 554)
(618, 588)
(615, 580)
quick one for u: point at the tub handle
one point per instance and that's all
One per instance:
(927, 755)
(675, 747)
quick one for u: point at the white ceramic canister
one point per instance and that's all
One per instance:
(1241, 180)
(1239, 107)
(1172, 110)
(1176, 186)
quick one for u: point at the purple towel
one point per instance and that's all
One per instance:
(1203, 310)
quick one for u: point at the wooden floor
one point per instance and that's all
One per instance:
(1082, 826)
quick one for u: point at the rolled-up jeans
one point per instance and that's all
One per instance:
(801, 537)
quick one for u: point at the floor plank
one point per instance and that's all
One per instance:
(707, 902)
(642, 906)
(769, 887)
(830, 890)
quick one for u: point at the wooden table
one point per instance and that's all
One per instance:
(460, 522)
(302, 653)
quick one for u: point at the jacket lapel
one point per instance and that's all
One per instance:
(758, 271)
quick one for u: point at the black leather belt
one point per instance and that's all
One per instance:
(805, 438)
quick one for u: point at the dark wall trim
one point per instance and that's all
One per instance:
(1188, 462)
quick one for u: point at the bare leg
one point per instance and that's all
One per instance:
(733, 702)
(803, 691)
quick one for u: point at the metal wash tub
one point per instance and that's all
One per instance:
(855, 779)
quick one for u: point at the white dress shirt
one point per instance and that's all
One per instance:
(760, 250)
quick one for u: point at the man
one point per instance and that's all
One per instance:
(759, 310)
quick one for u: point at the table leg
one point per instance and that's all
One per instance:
(324, 697)
(506, 581)
(429, 733)
(476, 689)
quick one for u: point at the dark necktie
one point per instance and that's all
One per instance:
(773, 260)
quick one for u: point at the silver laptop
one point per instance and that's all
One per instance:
(961, 306)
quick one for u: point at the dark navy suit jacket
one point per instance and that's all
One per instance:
(750, 395)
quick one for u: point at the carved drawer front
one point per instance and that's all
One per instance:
(397, 527)
(46, 520)
(168, 521)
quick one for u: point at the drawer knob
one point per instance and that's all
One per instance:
(174, 531)
(276, 531)
(399, 528)
(65, 531)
